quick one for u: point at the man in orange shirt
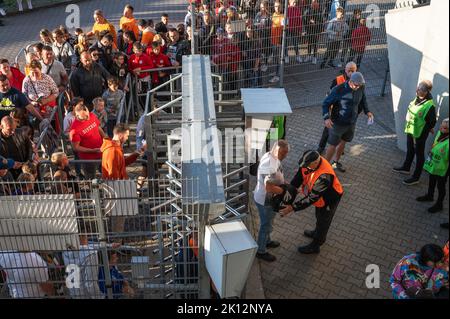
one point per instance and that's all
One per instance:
(276, 35)
(128, 22)
(114, 162)
(148, 33)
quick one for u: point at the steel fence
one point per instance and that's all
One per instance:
(293, 43)
(99, 239)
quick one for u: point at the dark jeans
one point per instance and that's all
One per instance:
(440, 181)
(110, 127)
(324, 217)
(90, 170)
(346, 49)
(312, 44)
(293, 40)
(356, 57)
(332, 50)
(415, 147)
(253, 78)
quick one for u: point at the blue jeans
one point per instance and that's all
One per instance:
(266, 216)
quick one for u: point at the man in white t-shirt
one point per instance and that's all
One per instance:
(86, 258)
(54, 68)
(270, 177)
(26, 274)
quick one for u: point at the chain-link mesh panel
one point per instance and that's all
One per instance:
(299, 44)
(83, 239)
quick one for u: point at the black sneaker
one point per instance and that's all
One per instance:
(425, 198)
(444, 225)
(266, 256)
(338, 166)
(411, 181)
(309, 233)
(272, 244)
(436, 208)
(309, 249)
(401, 170)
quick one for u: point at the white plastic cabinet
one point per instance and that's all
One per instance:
(229, 254)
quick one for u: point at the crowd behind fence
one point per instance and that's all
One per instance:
(98, 239)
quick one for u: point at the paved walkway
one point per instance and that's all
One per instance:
(378, 220)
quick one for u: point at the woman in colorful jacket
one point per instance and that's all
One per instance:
(420, 275)
(420, 121)
(437, 166)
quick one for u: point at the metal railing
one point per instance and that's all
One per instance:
(98, 239)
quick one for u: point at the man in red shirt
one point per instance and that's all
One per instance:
(139, 62)
(87, 137)
(13, 74)
(159, 60)
(360, 37)
(294, 30)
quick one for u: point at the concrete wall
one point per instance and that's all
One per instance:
(418, 49)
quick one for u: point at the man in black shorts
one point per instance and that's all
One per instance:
(352, 99)
(343, 76)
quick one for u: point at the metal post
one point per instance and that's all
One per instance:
(102, 236)
(283, 44)
(383, 87)
(151, 173)
(193, 51)
(203, 275)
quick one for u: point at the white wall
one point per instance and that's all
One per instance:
(418, 49)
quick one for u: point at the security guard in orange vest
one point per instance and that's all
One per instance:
(344, 76)
(318, 185)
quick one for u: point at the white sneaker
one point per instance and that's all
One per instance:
(264, 68)
(2, 12)
(275, 79)
(286, 59)
(299, 59)
(314, 60)
(339, 65)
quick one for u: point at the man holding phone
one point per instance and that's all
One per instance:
(351, 97)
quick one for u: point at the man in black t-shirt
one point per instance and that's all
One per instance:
(12, 99)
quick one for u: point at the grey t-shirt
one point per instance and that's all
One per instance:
(55, 70)
(112, 100)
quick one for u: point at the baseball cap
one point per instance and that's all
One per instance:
(357, 78)
(6, 163)
(308, 157)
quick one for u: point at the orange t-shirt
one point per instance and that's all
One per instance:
(147, 38)
(127, 24)
(99, 27)
(277, 28)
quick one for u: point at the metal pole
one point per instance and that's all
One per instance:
(193, 51)
(283, 43)
(383, 87)
(102, 236)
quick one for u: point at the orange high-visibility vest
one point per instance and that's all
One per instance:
(192, 245)
(340, 79)
(310, 179)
